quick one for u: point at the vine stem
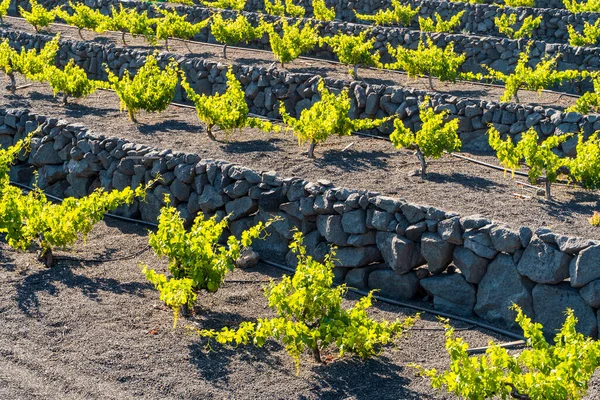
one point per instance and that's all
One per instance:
(421, 158)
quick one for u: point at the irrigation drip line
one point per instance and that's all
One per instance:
(397, 72)
(415, 307)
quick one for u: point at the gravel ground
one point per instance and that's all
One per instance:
(324, 68)
(98, 331)
(374, 164)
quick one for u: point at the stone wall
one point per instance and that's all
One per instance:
(265, 88)
(467, 265)
(499, 53)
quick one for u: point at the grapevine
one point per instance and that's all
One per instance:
(399, 14)
(519, 3)
(229, 110)
(279, 9)
(83, 17)
(72, 81)
(4, 4)
(7, 55)
(173, 25)
(427, 60)
(525, 77)
(589, 101)
(196, 259)
(439, 25)
(38, 17)
(505, 24)
(590, 36)
(584, 168)
(354, 50)
(433, 138)
(230, 32)
(293, 41)
(326, 117)
(310, 316)
(32, 64)
(320, 11)
(151, 89)
(226, 4)
(542, 371)
(31, 218)
(584, 6)
(128, 20)
(539, 158)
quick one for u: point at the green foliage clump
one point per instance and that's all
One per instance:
(353, 50)
(589, 101)
(584, 6)
(310, 316)
(590, 36)
(293, 41)
(539, 157)
(439, 25)
(525, 77)
(285, 8)
(540, 372)
(4, 4)
(328, 116)
(83, 17)
(151, 89)
(519, 3)
(230, 32)
(173, 25)
(128, 20)
(321, 12)
(584, 168)
(435, 136)
(38, 17)
(196, 260)
(228, 111)
(32, 63)
(398, 14)
(72, 81)
(226, 4)
(7, 55)
(32, 218)
(506, 25)
(427, 60)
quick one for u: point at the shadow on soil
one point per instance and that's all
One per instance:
(581, 203)
(6, 261)
(269, 145)
(464, 180)
(47, 280)
(351, 160)
(168, 126)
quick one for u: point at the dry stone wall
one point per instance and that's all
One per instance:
(264, 88)
(467, 264)
(499, 53)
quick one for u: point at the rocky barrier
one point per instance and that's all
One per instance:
(467, 264)
(264, 88)
(499, 53)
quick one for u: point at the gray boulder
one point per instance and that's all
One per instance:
(240, 208)
(210, 200)
(352, 257)
(450, 230)
(471, 266)
(550, 303)
(355, 222)
(500, 287)
(479, 242)
(543, 263)
(591, 293)
(505, 239)
(330, 227)
(451, 293)
(400, 253)
(436, 251)
(394, 286)
(585, 267)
